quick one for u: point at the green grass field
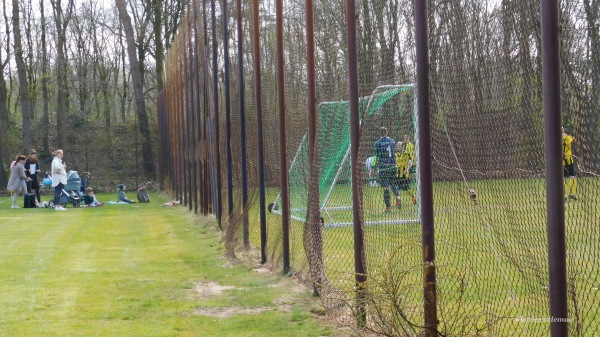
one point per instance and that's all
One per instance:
(136, 270)
(491, 257)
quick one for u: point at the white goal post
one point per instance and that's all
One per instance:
(392, 106)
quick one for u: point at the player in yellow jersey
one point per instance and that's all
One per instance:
(410, 149)
(404, 166)
(569, 166)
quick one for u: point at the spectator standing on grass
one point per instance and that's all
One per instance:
(59, 178)
(17, 183)
(32, 168)
(385, 148)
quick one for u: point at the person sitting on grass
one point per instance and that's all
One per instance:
(90, 198)
(121, 194)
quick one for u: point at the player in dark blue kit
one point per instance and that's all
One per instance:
(385, 149)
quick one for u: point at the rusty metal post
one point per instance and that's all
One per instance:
(283, 172)
(184, 114)
(227, 111)
(425, 169)
(244, 151)
(190, 109)
(192, 69)
(206, 168)
(360, 270)
(178, 123)
(259, 130)
(553, 152)
(217, 159)
(199, 94)
(181, 122)
(161, 146)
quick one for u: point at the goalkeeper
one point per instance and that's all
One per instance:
(386, 164)
(569, 166)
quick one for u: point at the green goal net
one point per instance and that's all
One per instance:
(390, 106)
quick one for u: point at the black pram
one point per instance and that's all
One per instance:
(71, 192)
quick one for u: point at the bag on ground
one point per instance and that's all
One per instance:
(142, 194)
(29, 200)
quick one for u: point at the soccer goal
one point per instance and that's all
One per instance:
(390, 106)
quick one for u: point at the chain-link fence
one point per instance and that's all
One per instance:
(487, 142)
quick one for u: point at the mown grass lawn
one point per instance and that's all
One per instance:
(491, 257)
(136, 270)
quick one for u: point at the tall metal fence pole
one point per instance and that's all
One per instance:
(169, 119)
(206, 169)
(227, 110)
(259, 130)
(242, 95)
(161, 139)
(193, 68)
(425, 168)
(198, 94)
(185, 115)
(360, 269)
(191, 115)
(555, 205)
(217, 170)
(283, 172)
(179, 125)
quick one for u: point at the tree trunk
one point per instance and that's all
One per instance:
(61, 76)
(31, 69)
(588, 147)
(157, 4)
(22, 73)
(3, 124)
(46, 117)
(122, 58)
(138, 90)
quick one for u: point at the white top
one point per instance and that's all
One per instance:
(59, 174)
(369, 162)
(33, 168)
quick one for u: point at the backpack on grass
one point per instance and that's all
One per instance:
(142, 194)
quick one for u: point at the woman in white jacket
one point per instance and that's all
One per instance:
(59, 178)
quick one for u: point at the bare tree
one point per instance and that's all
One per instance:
(4, 101)
(22, 73)
(138, 89)
(62, 21)
(45, 76)
(157, 6)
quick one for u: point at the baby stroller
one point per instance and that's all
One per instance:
(84, 182)
(71, 192)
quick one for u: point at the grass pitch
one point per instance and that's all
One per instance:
(491, 256)
(135, 270)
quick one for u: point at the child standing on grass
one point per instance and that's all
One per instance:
(121, 194)
(17, 183)
(90, 198)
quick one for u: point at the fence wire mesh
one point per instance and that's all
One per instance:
(488, 154)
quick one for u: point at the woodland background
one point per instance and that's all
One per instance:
(68, 83)
(68, 80)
